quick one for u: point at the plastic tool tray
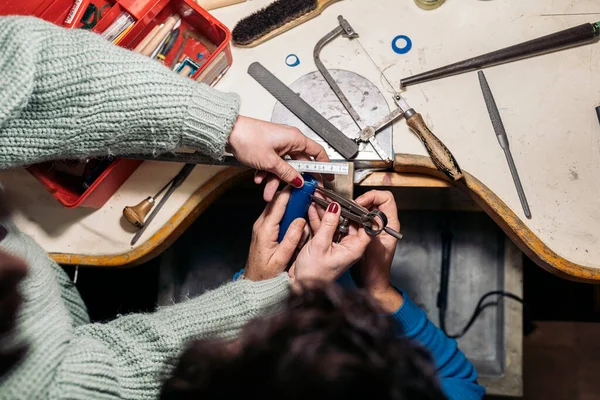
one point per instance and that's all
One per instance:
(207, 45)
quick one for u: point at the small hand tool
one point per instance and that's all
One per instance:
(136, 215)
(374, 222)
(165, 39)
(367, 133)
(177, 181)
(168, 45)
(159, 35)
(439, 153)
(180, 50)
(581, 34)
(311, 117)
(502, 139)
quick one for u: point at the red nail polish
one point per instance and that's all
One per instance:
(333, 208)
(297, 182)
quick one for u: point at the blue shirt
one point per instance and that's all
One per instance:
(458, 378)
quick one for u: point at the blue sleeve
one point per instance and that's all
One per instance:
(457, 375)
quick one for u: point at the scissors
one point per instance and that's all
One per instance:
(374, 222)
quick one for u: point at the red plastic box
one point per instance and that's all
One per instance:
(146, 14)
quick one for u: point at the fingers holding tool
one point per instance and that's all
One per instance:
(269, 257)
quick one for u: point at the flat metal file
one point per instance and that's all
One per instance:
(502, 139)
(311, 117)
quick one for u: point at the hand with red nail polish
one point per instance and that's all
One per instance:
(262, 146)
(268, 258)
(321, 258)
(375, 267)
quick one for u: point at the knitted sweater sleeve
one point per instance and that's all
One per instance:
(68, 93)
(123, 359)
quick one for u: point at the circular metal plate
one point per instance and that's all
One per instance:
(364, 96)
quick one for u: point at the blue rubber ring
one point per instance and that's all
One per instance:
(401, 50)
(292, 63)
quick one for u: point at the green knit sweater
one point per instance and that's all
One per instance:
(70, 358)
(71, 94)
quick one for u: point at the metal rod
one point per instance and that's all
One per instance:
(578, 35)
(502, 139)
(517, 180)
(343, 27)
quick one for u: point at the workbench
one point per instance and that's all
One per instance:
(547, 104)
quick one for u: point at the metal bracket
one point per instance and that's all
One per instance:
(367, 133)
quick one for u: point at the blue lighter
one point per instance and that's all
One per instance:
(297, 207)
(298, 204)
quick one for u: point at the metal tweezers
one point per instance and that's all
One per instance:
(374, 222)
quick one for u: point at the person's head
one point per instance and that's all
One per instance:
(327, 343)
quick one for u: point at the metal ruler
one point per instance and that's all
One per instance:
(334, 168)
(320, 167)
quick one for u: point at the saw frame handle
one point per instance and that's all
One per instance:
(439, 153)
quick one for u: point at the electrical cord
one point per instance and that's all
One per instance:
(442, 298)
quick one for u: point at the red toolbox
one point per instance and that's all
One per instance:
(127, 23)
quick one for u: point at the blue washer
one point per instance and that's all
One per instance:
(292, 60)
(401, 50)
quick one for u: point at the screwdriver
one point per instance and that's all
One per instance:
(135, 215)
(175, 183)
(168, 45)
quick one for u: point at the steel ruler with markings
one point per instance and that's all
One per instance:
(334, 168)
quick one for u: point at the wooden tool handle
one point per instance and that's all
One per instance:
(212, 4)
(146, 39)
(440, 155)
(160, 35)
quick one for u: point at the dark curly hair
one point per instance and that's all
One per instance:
(328, 343)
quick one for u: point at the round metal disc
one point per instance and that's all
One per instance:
(364, 96)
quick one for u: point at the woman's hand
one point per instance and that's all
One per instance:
(268, 258)
(375, 268)
(261, 145)
(321, 258)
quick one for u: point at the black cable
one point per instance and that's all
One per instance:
(479, 309)
(442, 298)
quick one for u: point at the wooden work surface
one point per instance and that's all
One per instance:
(547, 104)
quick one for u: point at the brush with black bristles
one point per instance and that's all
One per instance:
(275, 19)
